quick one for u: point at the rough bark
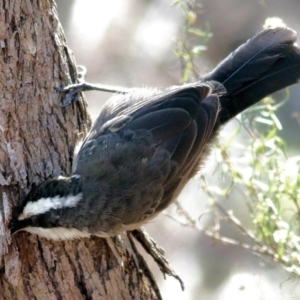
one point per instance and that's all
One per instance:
(37, 140)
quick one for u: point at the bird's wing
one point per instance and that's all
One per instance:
(165, 114)
(140, 101)
(179, 123)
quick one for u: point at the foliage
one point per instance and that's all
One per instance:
(263, 174)
(193, 41)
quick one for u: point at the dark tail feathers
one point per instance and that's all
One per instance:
(263, 65)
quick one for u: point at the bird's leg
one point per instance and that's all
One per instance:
(150, 247)
(128, 246)
(126, 243)
(114, 250)
(73, 90)
(156, 252)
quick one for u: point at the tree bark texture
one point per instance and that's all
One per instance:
(37, 139)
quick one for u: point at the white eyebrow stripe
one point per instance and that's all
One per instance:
(45, 204)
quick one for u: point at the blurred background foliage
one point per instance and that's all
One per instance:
(234, 233)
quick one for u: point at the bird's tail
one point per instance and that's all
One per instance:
(263, 65)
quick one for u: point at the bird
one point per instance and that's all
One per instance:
(147, 143)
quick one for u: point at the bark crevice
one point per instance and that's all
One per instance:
(37, 139)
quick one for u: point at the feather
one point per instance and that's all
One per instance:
(263, 65)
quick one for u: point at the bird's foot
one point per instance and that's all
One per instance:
(111, 244)
(124, 241)
(73, 90)
(156, 252)
(127, 244)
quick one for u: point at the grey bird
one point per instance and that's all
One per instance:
(147, 143)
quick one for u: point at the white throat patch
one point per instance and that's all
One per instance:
(45, 204)
(58, 233)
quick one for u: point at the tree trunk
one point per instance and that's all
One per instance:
(37, 141)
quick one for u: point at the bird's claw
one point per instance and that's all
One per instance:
(156, 252)
(73, 90)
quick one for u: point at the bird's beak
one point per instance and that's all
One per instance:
(16, 225)
(12, 226)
